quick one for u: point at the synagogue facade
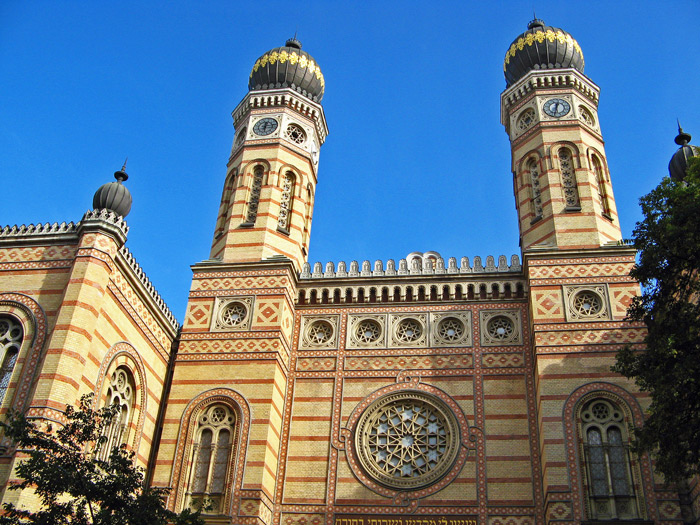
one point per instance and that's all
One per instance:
(422, 391)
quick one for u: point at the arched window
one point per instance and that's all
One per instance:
(534, 172)
(254, 198)
(602, 188)
(608, 470)
(211, 456)
(11, 334)
(286, 201)
(568, 179)
(121, 393)
(224, 209)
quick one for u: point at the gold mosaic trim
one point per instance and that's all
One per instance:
(293, 58)
(539, 37)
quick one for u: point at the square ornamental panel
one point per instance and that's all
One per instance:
(318, 332)
(500, 327)
(232, 314)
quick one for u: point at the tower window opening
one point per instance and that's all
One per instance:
(568, 180)
(536, 191)
(255, 190)
(445, 293)
(602, 188)
(385, 295)
(336, 296)
(283, 222)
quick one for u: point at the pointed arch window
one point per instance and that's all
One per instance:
(11, 335)
(254, 199)
(120, 393)
(212, 457)
(602, 186)
(608, 469)
(568, 180)
(286, 202)
(534, 173)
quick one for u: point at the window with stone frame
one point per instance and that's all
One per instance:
(225, 208)
(284, 219)
(254, 198)
(608, 469)
(11, 335)
(211, 458)
(534, 174)
(601, 180)
(568, 179)
(121, 393)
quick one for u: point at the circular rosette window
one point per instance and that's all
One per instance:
(407, 440)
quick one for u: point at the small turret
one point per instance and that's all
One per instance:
(114, 196)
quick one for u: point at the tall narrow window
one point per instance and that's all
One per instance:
(286, 201)
(568, 179)
(211, 457)
(602, 188)
(611, 493)
(225, 208)
(120, 393)
(254, 198)
(536, 191)
(11, 334)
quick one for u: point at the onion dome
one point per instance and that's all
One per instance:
(288, 67)
(679, 161)
(114, 196)
(541, 47)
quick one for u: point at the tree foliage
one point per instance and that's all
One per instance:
(668, 240)
(73, 484)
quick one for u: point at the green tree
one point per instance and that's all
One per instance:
(668, 240)
(73, 484)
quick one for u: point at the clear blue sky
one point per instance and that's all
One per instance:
(416, 158)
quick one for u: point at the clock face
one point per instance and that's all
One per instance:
(556, 107)
(265, 126)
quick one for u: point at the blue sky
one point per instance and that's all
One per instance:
(416, 158)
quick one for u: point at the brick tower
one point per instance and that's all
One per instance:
(576, 268)
(230, 376)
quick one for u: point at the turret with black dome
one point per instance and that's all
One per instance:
(114, 196)
(679, 161)
(288, 67)
(541, 47)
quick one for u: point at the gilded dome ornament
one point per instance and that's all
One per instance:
(541, 47)
(288, 67)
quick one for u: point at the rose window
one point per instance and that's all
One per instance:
(368, 331)
(409, 330)
(233, 314)
(320, 332)
(587, 304)
(451, 329)
(407, 440)
(526, 119)
(501, 328)
(295, 134)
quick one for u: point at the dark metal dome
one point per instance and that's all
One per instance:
(679, 161)
(541, 47)
(114, 196)
(291, 67)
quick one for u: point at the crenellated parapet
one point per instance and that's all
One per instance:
(419, 277)
(413, 265)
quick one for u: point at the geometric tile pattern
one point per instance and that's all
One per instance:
(502, 360)
(431, 362)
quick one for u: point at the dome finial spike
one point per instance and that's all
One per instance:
(121, 175)
(682, 138)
